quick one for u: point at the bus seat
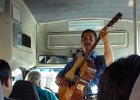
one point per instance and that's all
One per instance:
(135, 94)
(1, 92)
(24, 90)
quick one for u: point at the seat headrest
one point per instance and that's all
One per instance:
(24, 90)
(135, 94)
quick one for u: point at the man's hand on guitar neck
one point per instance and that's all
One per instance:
(104, 35)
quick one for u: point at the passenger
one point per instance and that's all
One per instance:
(35, 77)
(6, 79)
(88, 38)
(119, 78)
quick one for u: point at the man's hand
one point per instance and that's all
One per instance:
(64, 82)
(104, 36)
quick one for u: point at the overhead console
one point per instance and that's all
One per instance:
(67, 40)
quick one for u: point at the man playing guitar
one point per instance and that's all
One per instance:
(88, 38)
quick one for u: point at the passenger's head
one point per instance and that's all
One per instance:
(6, 77)
(34, 77)
(119, 78)
(88, 38)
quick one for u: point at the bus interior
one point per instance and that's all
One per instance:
(45, 35)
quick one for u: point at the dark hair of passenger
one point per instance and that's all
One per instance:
(5, 70)
(119, 78)
(89, 30)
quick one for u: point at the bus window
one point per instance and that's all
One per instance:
(17, 74)
(48, 76)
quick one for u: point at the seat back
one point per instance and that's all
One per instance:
(24, 90)
(135, 94)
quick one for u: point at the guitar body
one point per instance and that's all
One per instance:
(65, 92)
(80, 90)
(82, 84)
(77, 91)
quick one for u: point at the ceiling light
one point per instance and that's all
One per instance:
(130, 3)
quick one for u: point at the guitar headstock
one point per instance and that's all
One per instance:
(111, 23)
(114, 20)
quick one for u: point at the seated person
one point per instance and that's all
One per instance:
(6, 79)
(35, 77)
(119, 78)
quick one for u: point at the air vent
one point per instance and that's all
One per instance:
(119, 39)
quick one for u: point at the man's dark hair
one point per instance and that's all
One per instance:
(5, 70)
(89, 30)
(119, 78)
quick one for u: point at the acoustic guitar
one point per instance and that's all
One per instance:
(77, 90)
